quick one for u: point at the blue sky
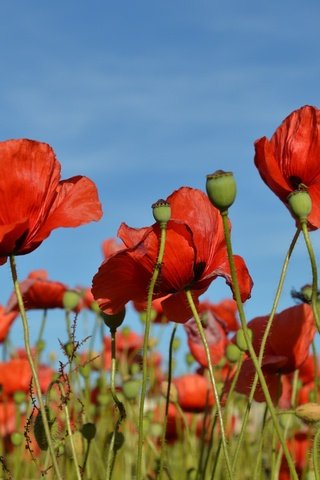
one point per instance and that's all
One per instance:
(144, 97)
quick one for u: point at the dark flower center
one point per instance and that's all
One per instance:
(295, 182)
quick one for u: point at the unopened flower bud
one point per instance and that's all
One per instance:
(71, 299)
(300, 204)
(221, 189)
(308, 412)
(114, 321)
(189, 359)
(233, 353)
(161, 211)
(88, 430)
(131, 389)
(241, 341)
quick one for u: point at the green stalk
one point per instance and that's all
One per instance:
(165, 421)
(315, 455)
(156, 272)
(26, 337)
(264, 341)
(120, 406)
(314, 297)
(212, 379)
(254, 358)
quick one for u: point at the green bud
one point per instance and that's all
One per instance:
(71, 299)
(221, 189)
(85, 370)
(189, 359)
(241, 341)
(233, 353)
(19, 397)
(306, 292)
(16, 438)
(39, 431)
(300, 204)
(114, 321)
(131, 389)
(156, 430)
(143, 315)
(161, 211)
(176, 344)
(103, 399)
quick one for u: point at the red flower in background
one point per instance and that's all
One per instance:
(111, 246)
(34, 201)
(225, 312)
(291, 158)
(15, 375)
(158, 315)
(298, 446)
(215, 335)
(195, 254)
(194, 392)
(38, 292)
(287, 348)
(6, 320)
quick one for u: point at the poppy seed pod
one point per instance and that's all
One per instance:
(114, 321)
(241, 340)
(161, 211)
(221, 189)
(300, 204)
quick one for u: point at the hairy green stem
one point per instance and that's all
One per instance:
(165, 421)
(263, 343)
(26, 337)
(156, 272)
(252, 353)
(120, 406)
(314, 297)
(212, 379)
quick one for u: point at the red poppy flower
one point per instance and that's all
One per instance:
(195, 254)
(15, 375)
(291, 158)
(298, 446)
(38, 292)
(286, 349)
(157, 315)
(6, 320)
(8, 417)
(225, 312)
(215, 335)
(194, 392)
(110, 246)
(34, 201)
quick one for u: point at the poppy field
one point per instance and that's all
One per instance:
(111, 406)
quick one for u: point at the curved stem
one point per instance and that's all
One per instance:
(165, 421)
(26, 336)
(254, 358)
(264, 341)
(314, 297)
(213, 382)
(120, 406)
(156, 272)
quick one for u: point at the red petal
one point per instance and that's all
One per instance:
(76, 203)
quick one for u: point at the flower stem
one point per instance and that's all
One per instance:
(32, 364)
(314, 297)
(252, 353)
(120, 405)
(264, 341)
(156, 272)
(213, 382)
(165, 421)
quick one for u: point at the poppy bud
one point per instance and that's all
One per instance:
(300, 204)
(309, 412)
(161, 211)
(16, 438)
(233, 353)
(176, 344)
(114, 321)
(189, 359)
(221, 189)
(241, 341)
(131, 388)
(306, 292)
(88, 430)
(71, 299)
(118, 439)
